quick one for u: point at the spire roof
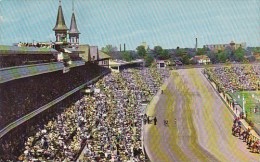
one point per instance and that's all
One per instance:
(60, 22)
(73, 25)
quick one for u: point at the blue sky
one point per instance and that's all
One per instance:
(169, 23)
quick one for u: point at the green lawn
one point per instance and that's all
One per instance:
(252, 100)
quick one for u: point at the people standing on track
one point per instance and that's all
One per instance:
(166, 123)
(155, 120)
(236, 120)
(145, 118)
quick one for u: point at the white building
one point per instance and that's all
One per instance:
(161, 64)
(201, 59)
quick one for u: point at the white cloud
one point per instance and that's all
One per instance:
(1, 18)
(5, 19)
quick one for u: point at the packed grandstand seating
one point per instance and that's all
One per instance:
(237, 77)
(38, 45)
(108, 122)
(20, 97)
(13, 142)
(19, 60)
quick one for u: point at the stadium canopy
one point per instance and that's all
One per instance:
(73, 50)
(15, 50)
(117, 63)
(103, 55)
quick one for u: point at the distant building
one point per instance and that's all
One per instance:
(232, 45)
(161, 64)
(201, 59)
(145, 45)
(103, 59)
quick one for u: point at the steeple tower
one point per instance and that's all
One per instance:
(73, 32)
(60, 27)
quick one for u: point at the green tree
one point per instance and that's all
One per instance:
(185, 59)
(127, 56)
(213, 57)
(141, 51)
(179, 52)
(108, 49)
(239, 54)
(201, 51)
(164, 55)
(161, 53)
(148, 60)
(158, 50)
(222, 57)
(256, 49)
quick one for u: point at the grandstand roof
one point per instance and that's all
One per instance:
(73, 50)
(103, 55)
(88, 55)
(116, 63)
(13, 50)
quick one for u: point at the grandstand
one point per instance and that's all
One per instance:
(35, 94)
(29, 91)
(38, 81)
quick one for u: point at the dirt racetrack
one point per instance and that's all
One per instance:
(199, 124)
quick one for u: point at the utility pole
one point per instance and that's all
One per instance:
(196, 45)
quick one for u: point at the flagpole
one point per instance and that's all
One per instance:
(244, 111)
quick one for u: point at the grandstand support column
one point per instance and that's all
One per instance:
(244, 111)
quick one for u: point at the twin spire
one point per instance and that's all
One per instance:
(61, 28)
(60, 22)
(73, 24)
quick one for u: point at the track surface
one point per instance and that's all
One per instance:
(202, 131)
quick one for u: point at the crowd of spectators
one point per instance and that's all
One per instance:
(38, 45)
(22, 96)
(25, 59)
(107, 123)
(237, 77)
(12, 143)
